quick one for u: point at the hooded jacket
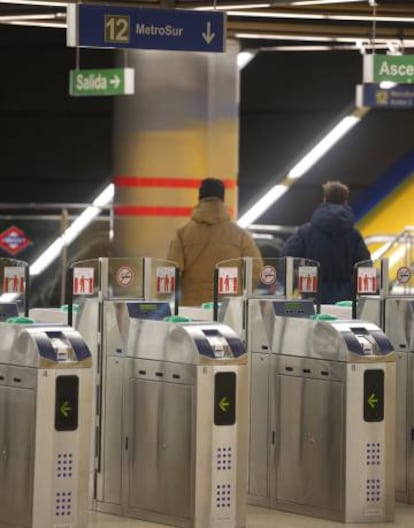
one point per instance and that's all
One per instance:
(331, 239)
(208, 238)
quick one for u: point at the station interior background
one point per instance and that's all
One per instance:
(57, 149)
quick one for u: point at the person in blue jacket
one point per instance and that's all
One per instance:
(331, 238)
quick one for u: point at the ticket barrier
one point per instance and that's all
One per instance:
(45, 414)
(330, 439)
(174, 419)
(396, 316)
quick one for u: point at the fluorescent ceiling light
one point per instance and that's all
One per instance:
(230, 6)
(323, 146)
(35, 2)
(318, 16)
(83, 220)
(12, 18)
(34, 23)
(387, 85)
(243, 58)
(362, 43)
(262, 205)
(318, 2)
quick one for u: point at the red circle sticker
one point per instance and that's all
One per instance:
(268, 275)
(124, 276)
(403, 274)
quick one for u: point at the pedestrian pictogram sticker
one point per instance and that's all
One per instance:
(165, 279)
(228, 280)
(125, 276)
(403, 275)
(13, 240)
(83, 281)
(268, 274)
(308, 279)
(13, 279)
(367, 280)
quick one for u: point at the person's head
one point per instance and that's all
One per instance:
(335, 192)
(211, 188)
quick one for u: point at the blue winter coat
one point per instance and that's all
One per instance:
(331, 239)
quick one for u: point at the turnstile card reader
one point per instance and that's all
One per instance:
(332, 420)
(177, 452)
(45, 414)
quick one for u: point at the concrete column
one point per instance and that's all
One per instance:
(180, 126)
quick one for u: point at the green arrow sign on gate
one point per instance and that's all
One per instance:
(115, 81)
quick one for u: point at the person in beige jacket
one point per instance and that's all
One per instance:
(208, 238)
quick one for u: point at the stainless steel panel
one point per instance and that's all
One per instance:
(17, 430)
(259, 427)
(309, 443)
(112, 439)
(160, 447)
(371, 309)
(399, 323)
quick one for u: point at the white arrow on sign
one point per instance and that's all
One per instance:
(115, 81)
(208, 36)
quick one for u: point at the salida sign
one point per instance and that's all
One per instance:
(13, 240)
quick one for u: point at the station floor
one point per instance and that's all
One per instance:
(264, 518)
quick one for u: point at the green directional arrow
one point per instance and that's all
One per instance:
(223, 404)
(372, 401)
(65, 409)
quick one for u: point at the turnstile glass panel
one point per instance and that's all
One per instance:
(161, 447)
(17, 420)
(309, 442)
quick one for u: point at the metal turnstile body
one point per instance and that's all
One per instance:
(174, 419)
(260, 329)
(396, 315)
(327, 448)
(45, 414)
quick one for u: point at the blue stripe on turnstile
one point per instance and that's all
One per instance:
(204, 348)
(45, 347)
(384, 344)
(236, 346)
(352, 343)
(79, 347)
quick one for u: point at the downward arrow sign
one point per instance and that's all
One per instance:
(208, 36)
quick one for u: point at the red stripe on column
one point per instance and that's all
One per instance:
(183, 183)
(135, 210)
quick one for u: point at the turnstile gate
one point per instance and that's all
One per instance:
(327, 448)
(45, 414)
(174, 419)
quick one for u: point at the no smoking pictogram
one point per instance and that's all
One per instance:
(268, 275)
(124, 276)
(403, 275)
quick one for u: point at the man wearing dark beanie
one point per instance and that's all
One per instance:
(208, 238)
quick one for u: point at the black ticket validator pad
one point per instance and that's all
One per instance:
(374, 395)
(225, 398)
(66, 403)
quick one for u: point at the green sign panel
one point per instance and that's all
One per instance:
(115, 81)
(398, 69)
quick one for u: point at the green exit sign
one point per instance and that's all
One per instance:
(398, 69)
(115, 81)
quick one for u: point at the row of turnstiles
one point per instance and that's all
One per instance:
(134, 411)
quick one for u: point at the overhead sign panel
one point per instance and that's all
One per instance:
(372, 95)
(392, 68)
(103, 26)
(115, 81)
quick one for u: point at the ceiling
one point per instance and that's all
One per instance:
(285, 25)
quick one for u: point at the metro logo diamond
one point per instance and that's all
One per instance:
(14, 240)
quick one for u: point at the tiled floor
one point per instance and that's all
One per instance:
(263, 518)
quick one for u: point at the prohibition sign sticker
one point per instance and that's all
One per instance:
(403, 275)
(268, 275)
(124, 276)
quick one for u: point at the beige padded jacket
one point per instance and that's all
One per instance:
(209, 237)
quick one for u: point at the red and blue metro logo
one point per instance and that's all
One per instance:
(13, 240)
